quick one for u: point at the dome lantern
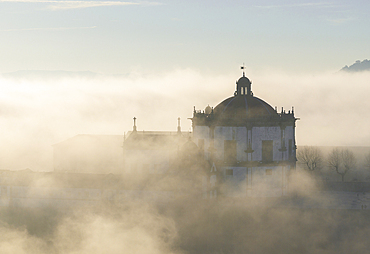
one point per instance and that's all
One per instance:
(243, 85)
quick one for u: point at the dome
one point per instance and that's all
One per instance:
(240, 108)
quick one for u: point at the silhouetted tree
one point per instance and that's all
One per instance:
(342, 161)
(311, 157)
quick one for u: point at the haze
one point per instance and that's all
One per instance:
(39, 112)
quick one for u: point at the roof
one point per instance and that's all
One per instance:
(241, 107)
(88, 139)
(148, 140)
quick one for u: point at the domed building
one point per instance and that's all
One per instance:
(240, 148)
(250, 145)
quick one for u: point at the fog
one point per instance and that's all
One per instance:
(38, 112)
(189, 224)
(129, 229)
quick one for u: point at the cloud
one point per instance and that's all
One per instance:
(336, 14)
(66, 5)
(318, 5)
(49, 29)
(340, 20)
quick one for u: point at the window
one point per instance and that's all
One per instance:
(267, 150)
(269, 172)
(229, 172)
(230, 151)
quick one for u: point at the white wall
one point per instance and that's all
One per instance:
(239, 134)
(266, 133)
(202, 132)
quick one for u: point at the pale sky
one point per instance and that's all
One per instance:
(157, 36)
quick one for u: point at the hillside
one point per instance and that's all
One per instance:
(358, 66)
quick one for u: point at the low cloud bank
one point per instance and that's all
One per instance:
(37, 113)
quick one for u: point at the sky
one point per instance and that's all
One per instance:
(156, 60)
(118, 37)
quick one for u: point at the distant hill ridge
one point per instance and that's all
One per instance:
(358, 66)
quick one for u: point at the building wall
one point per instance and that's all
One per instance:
(202, 132)
(266, 133)
(257, 135)
(290, 134)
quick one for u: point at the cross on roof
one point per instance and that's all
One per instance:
(134, 128)
(243, 68)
